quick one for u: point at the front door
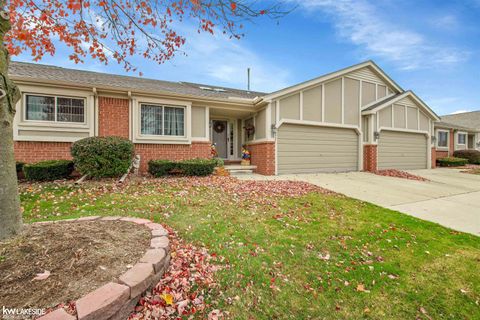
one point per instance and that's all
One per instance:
(219, 137)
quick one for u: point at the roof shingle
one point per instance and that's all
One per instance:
(38, 72)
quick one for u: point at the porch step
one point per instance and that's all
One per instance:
(239, 169)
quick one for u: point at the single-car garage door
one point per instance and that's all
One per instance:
(304, 149)
(402, 150)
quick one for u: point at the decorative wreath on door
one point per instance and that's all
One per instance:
(219, 126)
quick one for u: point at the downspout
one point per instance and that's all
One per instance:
(130, 115)
(95, 112)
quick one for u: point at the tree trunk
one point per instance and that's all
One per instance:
(10, 214)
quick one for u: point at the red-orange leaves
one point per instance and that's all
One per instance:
(233, 5)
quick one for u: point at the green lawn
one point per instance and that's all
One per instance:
(303, 257)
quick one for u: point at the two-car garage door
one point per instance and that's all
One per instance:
(402, 150)
(305, 149)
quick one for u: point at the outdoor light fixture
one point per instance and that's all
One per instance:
(274, 129)
(376, 135)
(434, 139)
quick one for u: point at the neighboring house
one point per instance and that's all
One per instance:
(457, 132)
(357, 118)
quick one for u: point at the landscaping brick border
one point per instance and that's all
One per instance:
(116, 300)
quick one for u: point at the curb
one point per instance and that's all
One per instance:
(116, 300)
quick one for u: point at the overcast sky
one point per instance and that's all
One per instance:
(431, 47)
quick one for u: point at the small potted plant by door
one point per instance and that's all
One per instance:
(245, 156)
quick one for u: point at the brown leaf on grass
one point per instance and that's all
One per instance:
(361, 287)
(42, 276)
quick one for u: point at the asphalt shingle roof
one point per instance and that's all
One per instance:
(465, 119)
(381, 102)
(38, 72)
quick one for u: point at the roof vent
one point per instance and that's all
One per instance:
(212, 89)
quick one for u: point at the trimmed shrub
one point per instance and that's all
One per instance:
(196, 167)
(160, 168)
(48, 170)
(19, 165)
(193, 167)
(218, 162)
(473, 156)
(102, 157)
(452, 162)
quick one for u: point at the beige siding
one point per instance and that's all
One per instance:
(424, 122)
(274, 112)
(412, 118)
(260, 124)
(381, 91)
(365, 128)
(408, 102)
(333, 101)
(198, 122)
(385, 117)
(351, 103)
(401, 150)
(399, 116)
(290, 107)
(366, 74)
(303, 149)
(312, 104)
(368, 93)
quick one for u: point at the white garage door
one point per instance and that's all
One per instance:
(401, 150)
(304, 149)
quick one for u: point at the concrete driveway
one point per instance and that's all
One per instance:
(450, 198)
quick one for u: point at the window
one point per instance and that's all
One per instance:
(442, 139)
(462, 138)
(162, 120)
(54, 109)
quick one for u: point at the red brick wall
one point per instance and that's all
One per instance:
(440, 154)
(434, 158)
(171, 152)
(263, 156)
(31, 151)
(370, 157)
(113, 117)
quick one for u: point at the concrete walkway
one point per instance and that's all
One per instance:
(450, 198)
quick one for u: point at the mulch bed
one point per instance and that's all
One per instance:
(80, 256)
(399, 174)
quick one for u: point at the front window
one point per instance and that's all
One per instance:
(443, 139)
(54, 109)
(462, 138)
(162, 120)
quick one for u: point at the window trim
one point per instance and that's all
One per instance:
(458, 138)
(438, 139)
(137, 137)
(163, 135)
(54, 122)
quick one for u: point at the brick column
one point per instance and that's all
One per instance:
(370, 157)
(434, 158)
(113, 117)
(263, 156)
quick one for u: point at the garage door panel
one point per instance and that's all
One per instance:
(402, 150)
(306, 149)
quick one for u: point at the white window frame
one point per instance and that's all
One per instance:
(458, 138)
(163, 106)
(438, 139)
(138, 137)
(55, 122)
